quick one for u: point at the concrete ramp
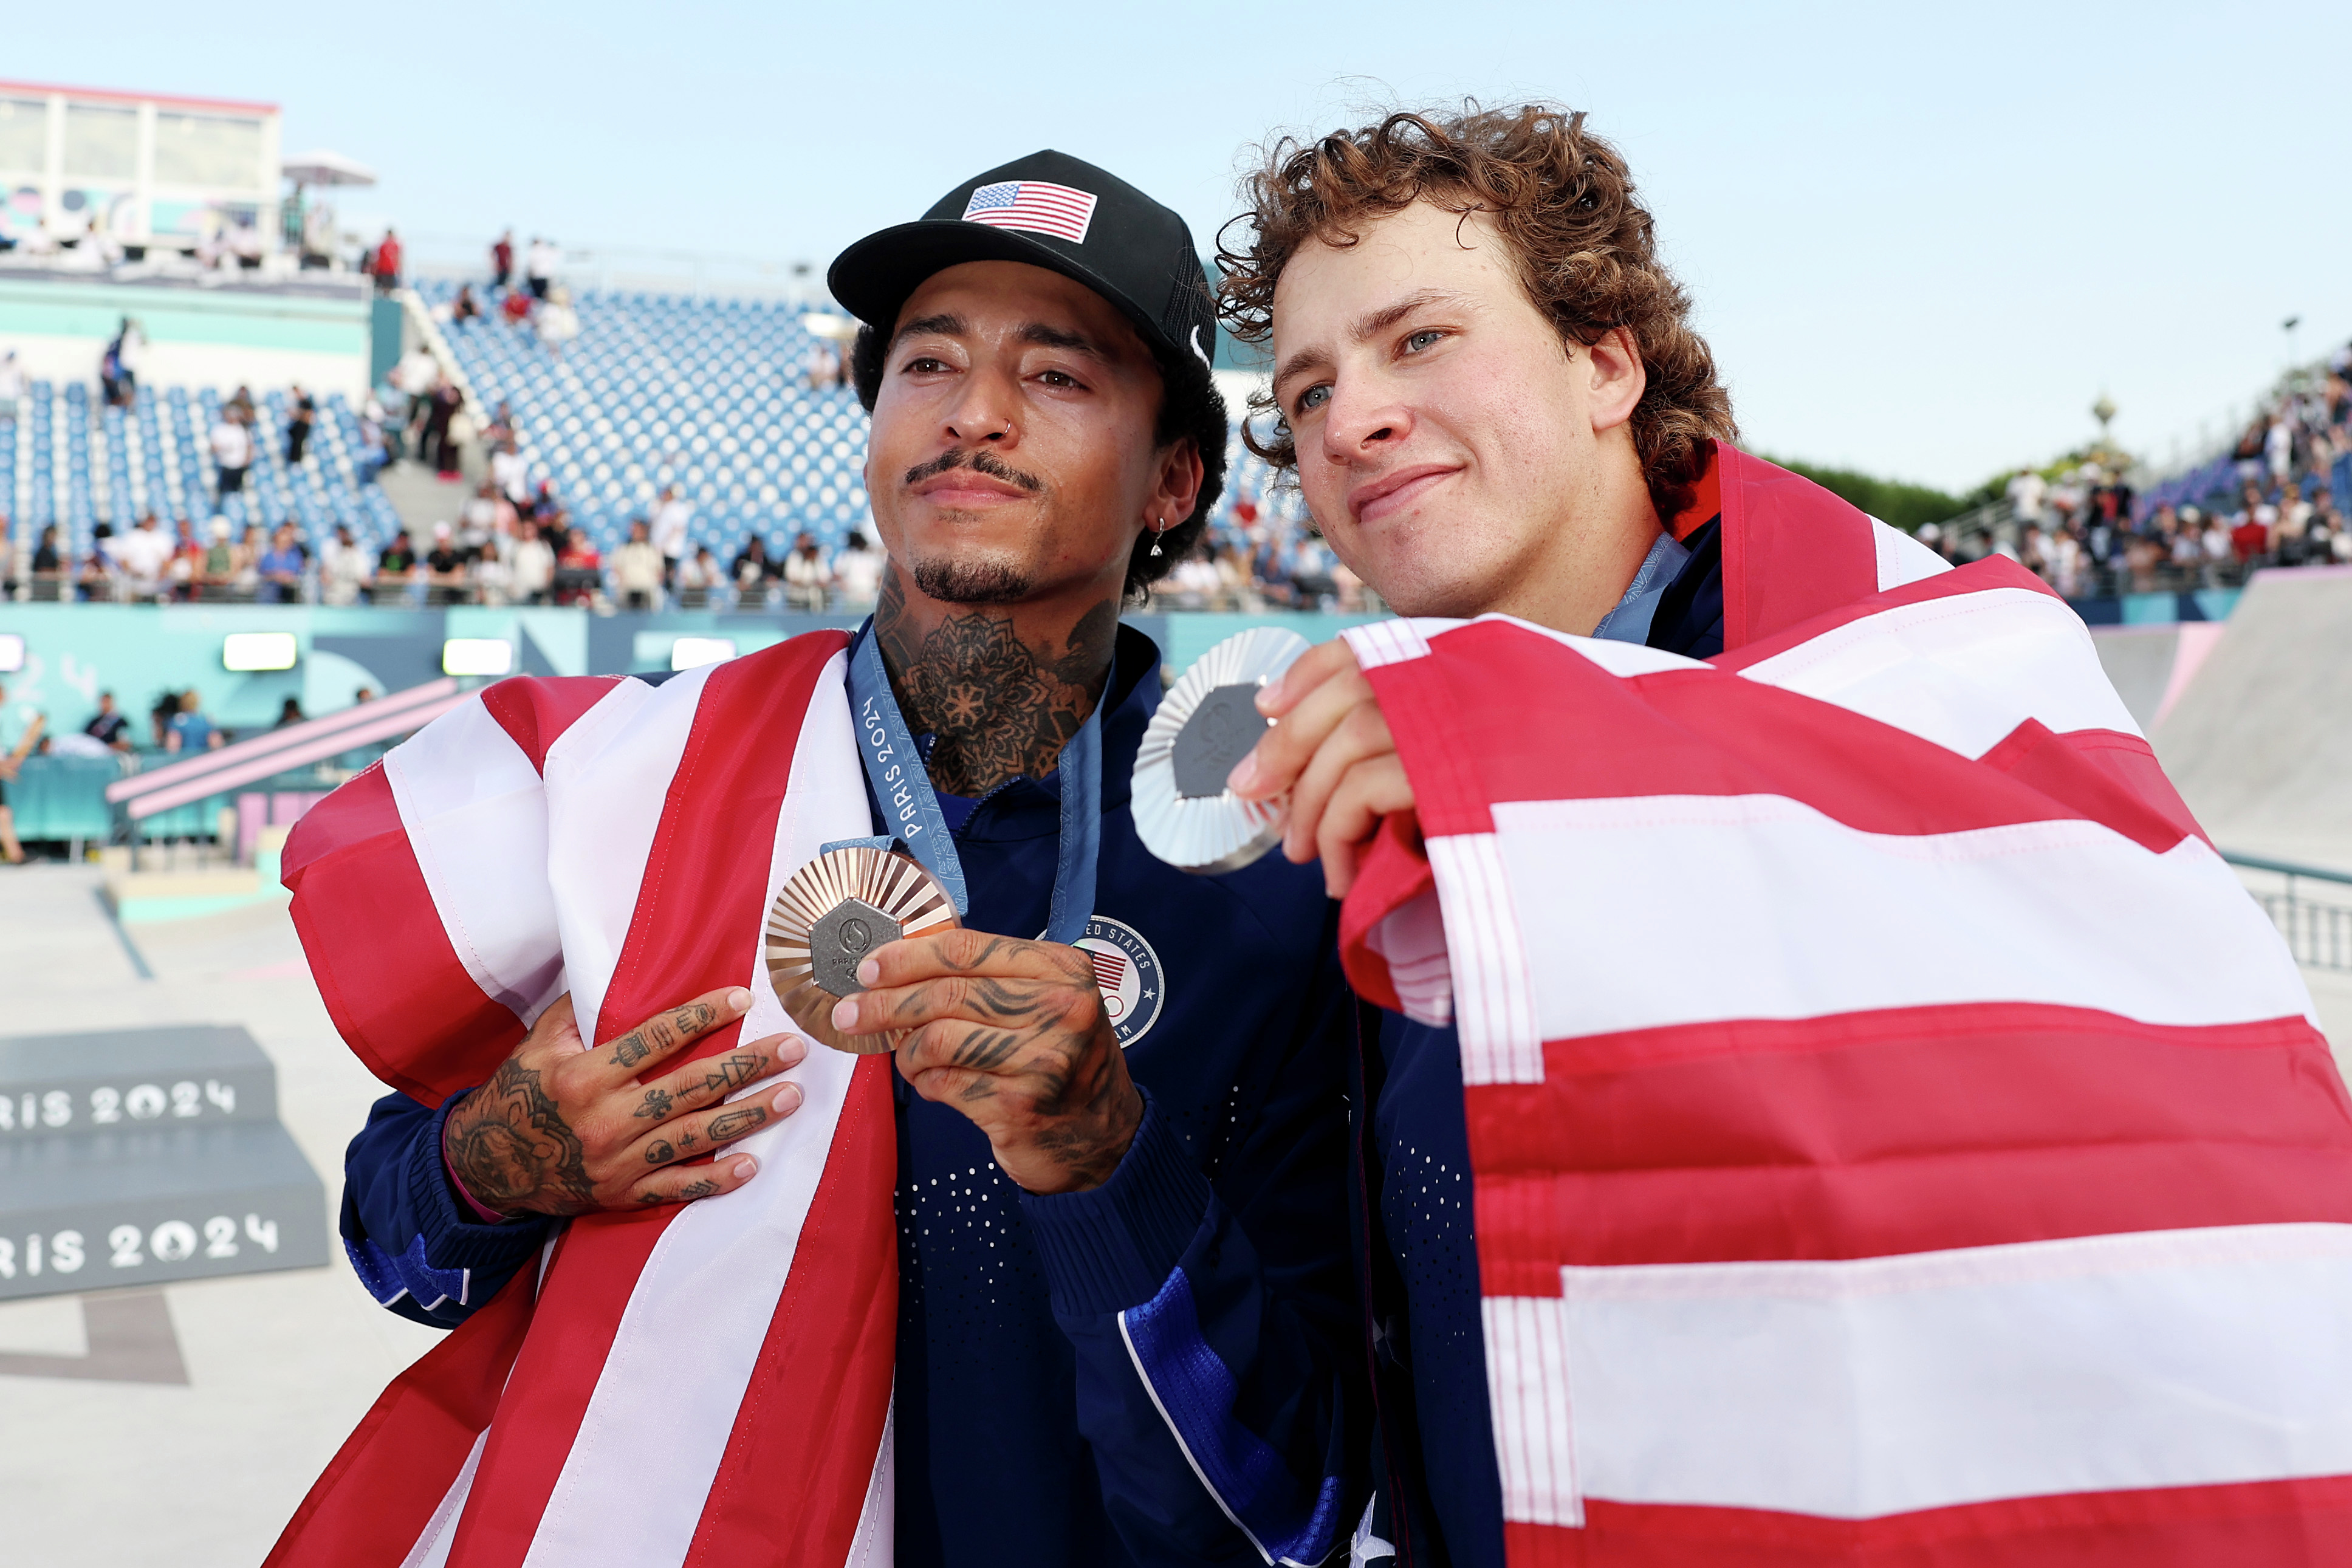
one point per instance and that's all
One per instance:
(2138, 660)
(2259, 740)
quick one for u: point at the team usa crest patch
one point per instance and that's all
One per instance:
(1133, 985)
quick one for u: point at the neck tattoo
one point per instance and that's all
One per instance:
(998, 706)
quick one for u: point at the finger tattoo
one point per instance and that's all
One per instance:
(631, 1048)
(685, 1140)
(728, 1072)
(738, 1121)
(657, 1104)
(698, 1189)
(659, 1152)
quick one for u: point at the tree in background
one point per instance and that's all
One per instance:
(1891, 501)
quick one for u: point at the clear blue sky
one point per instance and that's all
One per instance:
(1921, 244)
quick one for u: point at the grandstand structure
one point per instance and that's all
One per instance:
(67, 459)
(713, 396)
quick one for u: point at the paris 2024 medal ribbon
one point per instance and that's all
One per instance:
(1206, 724)
(832, 912)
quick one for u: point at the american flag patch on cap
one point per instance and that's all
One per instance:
(1035, 205)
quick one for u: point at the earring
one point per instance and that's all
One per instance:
(1157, 532)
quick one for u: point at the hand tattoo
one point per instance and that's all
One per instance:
(657, 1104)
(662, 1033)
(698, 1189)
(728, 1072)
(508, 1143)
(685, 1140)
(659, 1153)
(998, 707)
(741, 1120)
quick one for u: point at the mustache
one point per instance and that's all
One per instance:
(979, 461)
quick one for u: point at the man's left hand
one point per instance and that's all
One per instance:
(1332, 750)
(1013, 1035)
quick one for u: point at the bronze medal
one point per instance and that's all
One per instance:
(833, 912)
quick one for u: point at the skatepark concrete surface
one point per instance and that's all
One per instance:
(2260, 740)
(179, 1426)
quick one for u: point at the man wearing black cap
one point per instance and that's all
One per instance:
(1126, 1327)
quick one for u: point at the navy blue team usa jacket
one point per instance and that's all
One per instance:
(1167, 1369)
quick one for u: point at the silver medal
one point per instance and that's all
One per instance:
(1206, 724)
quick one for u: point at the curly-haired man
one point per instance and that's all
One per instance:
(1831, 1100)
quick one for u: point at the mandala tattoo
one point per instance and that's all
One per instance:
(509, 1145)
(998, 707)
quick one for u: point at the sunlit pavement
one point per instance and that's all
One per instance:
(178, 1424)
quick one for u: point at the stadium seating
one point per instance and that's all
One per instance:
(710, 395)
(87, 463)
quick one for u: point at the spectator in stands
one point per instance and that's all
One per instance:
(188, 563)
(515, 309)
(532, 570)
(217, 571)
(465, 307)
(376, 437)
(118, 368)
(384, 264)
(1193, 584)
(501, 428)
(637, 569)
(502, 260)
(699, 579)
(2328, 524)
(440, 447)
(245, 572)
(289, 712)
(280, 568)
(190, 730)
(415, 376)
(808, 576)
(396, 571)
(555, 321)
(444, 569)
(578, 570)
(753, 571)
(539, 265)
(143, 555)
(344, 568)
(671, 518)
(857, 572)
(2288, 542)
(18, 735)
(510, 473)
(302, 413)
(232, 446)
(160, 717)
(48, 566)
(241, 400)
(109, 727)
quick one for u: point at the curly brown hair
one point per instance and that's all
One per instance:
(1562, 198)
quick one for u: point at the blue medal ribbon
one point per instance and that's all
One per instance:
(910, 809)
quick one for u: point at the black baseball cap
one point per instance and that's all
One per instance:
(1052, 211)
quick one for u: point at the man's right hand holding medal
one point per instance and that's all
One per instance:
(563, 1129)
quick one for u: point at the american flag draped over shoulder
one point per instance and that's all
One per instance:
(1896, 1136)
(699, 1384)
